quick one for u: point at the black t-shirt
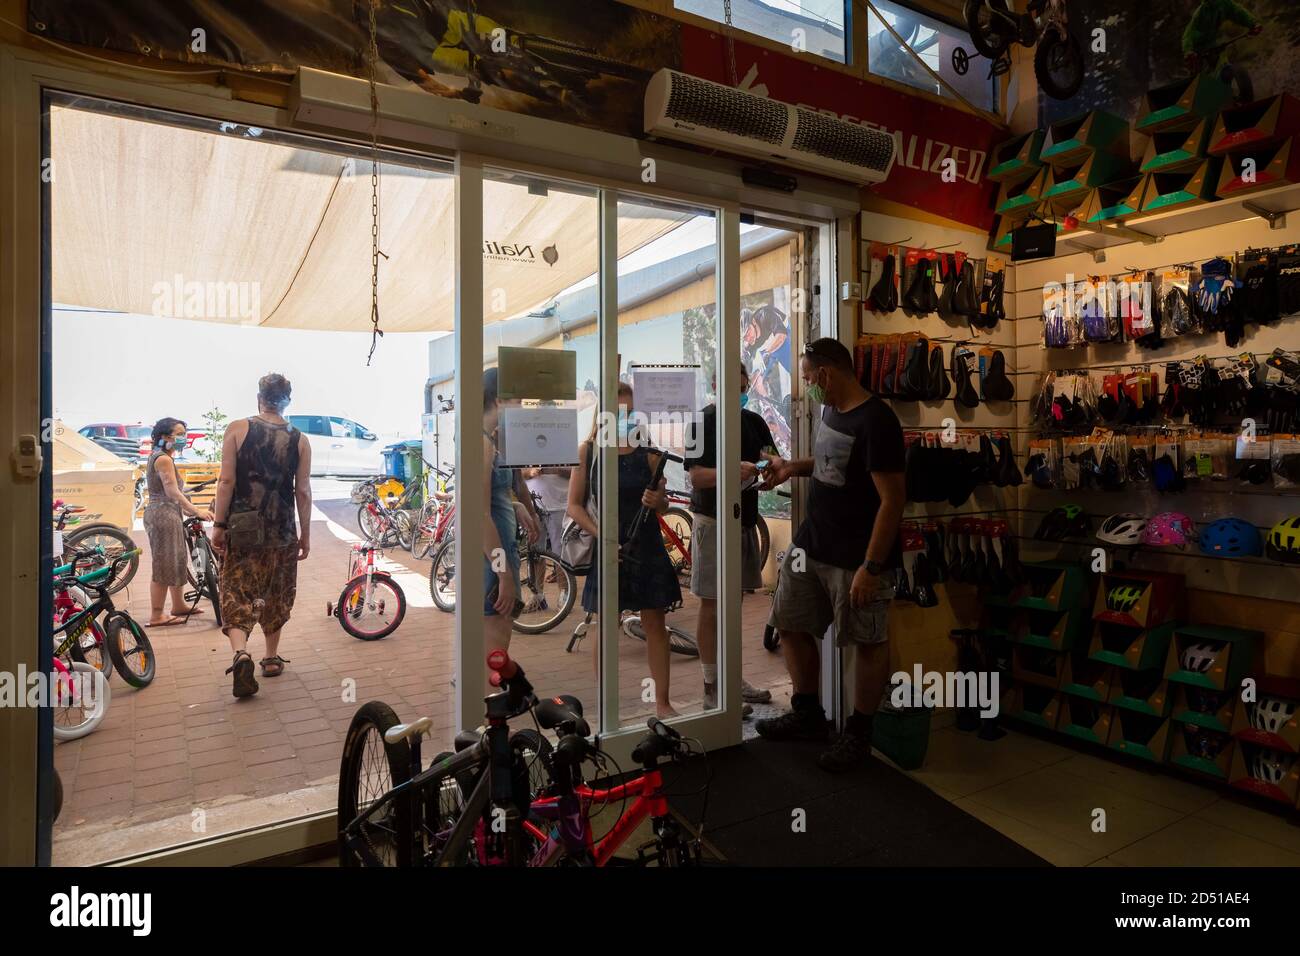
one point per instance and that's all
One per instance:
(843, 503)
(755, 437)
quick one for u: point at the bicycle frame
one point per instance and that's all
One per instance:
(573, 835)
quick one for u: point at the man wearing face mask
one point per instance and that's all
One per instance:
(755, 440)
(837, 572)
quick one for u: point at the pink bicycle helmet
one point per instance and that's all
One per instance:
(1170, 529)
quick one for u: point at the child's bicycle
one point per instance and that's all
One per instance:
(372, 604)
(128, 644)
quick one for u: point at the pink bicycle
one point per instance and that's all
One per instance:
(372, 604)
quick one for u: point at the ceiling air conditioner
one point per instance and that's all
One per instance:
(683, 107)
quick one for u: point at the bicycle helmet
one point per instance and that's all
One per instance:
(1169, 529)
(1203, 743)
(1271, 714)
(1268, 767)
(1197, 658)
(1064, 521)
(1124, 529)
(1283, 542)
(1231, 538)
(1122, 597)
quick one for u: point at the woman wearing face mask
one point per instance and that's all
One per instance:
(647, 583)
(163, 518)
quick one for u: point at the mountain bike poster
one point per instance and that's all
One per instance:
(565, 59)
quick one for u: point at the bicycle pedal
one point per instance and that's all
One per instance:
(192, 597)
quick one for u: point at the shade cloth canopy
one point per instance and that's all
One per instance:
(239, 226)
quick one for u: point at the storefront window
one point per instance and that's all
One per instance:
(815, 26)
(932, 42)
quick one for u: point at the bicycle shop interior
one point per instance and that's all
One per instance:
(204, 219)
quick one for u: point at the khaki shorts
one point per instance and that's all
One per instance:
(810, 600)
(704, 558)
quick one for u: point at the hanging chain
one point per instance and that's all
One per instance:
(372, 58)
(731, 44)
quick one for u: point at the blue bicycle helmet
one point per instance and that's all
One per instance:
(1231, 538)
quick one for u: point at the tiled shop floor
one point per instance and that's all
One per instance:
(182, 758)
(1045, 796)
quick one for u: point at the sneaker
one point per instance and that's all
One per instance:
(754, 695)
(794, 725)
(848, 752)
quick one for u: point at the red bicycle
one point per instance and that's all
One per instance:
(437, 520)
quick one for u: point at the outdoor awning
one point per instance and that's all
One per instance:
(230, 227)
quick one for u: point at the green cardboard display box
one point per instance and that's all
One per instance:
(1212, 657)
(1017, 158)
(1181, 104)
(1134, 648)
(1179, 189)
(1146, 692)
(1070, 140)
(1179, 149)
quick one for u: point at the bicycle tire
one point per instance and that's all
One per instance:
(103, 529)
(445, 558)
(98, 656)
(679, 641)
(536, 751)
(367, 524)
(88, 725)
(568, 592)
(764, 542)
(391, 831)
(57, 797)
(113, 630)
(1054, 54)
(208, 583)
(990, 42)
(684, 525)
(403, 529)
(354, 589)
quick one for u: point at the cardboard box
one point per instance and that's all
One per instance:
(1115, 202)
(1197, 748)
(1146, 692)
(1180, 189)
(1020, 197)
(1017, 158)
(1069, 185)
(1217, 658)
(107, 494)
(1133, 648)
(1211, 709)
(1265, 773)
(1181, 104)
(1177, 150)
(1275, 165)
(1052, 586)
(1255, 125)
(1033, 665)
(1139, 735)
(1070, 140)
(1087, 678)
(1139, 598)
(1277, 725)
(1084, 719)
(1052, 630)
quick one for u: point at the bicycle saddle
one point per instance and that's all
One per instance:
(400, 732)
(565, 709)
(997, 386)
(466, 738)
(961, 373)
(884, 294)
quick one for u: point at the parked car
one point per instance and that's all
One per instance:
(340, 446)
(129, 441)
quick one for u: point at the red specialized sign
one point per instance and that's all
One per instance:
(928, 134)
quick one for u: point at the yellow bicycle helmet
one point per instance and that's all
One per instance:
(1283, 543)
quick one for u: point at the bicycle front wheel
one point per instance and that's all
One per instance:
(548, 591)
(81, 700)
(130, 650)
(370, 609)
(369, 769)
(442, 577)
(92, 648)
(113, 541)
(404, 529)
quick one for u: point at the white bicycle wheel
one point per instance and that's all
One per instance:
(81, 703)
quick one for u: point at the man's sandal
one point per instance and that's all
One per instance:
(244, 684)
(273, 666)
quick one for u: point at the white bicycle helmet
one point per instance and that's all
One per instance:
(1123, 529)
(1271, 714)
(1268, 766)
(1198, 657)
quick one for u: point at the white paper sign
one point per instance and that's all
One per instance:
(58, 543)
(667, 390)
(546, 435)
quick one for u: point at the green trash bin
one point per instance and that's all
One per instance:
(902, 733)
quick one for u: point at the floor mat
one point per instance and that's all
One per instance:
(770, 804)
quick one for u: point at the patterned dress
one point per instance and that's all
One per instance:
(168, 558)
(259, 584)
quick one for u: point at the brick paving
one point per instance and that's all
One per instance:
(183, 749)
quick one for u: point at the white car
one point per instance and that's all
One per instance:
(339, 446)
